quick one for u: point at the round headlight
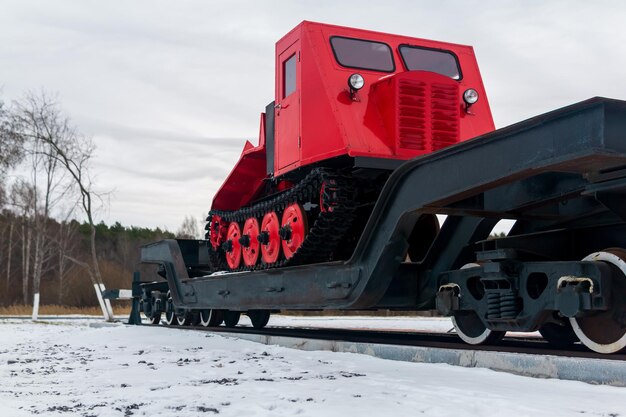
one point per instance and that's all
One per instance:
(470, 96)
(356, 81)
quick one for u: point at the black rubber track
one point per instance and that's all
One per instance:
(327, 227)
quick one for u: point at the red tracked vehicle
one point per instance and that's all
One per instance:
(350, 106)
(368, 138)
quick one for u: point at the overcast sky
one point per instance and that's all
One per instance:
(169, 90)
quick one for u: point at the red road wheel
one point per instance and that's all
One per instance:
(328, 191)
(233, 251)
(323, 207)
(294, 229)
(250, 244)
(270, 238)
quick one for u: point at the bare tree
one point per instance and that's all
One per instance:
(10, 142)
(30, 121)
(23, 198)
(65, 243)
(188, 229)
(10, 154)
(39, 119)
(9, 256)
(49, 187)
(10, 147)
(8, 241)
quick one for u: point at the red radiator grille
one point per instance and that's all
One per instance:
(412, 114)
(427, 115)
(444, 115)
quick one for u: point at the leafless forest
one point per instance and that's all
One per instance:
(51, 241)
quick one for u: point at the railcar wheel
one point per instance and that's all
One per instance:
(187, 317)
(170, 318)
(233, 249)
(470, 327)
(170, 315)
(181, 320)
(605, 331)
(559, 335)
(294, 229)
(250, 242)
(211, 317)
(231, 318)
(259, 318)
(148, 310)
(270, 238)
(154, 318)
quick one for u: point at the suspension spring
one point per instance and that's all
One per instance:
(502, 305)
(508, 305)
(493, 305)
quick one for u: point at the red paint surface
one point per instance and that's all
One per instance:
(251, 252)
(296, 220)
(233, 257)
(271, 225)
(397, 115)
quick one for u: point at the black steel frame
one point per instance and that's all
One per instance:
(563, 170)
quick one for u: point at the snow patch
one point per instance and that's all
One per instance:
(71, 368)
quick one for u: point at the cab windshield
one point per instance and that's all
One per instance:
(434, 60)
(362, 54)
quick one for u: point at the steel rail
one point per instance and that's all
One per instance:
(521, 356)
(510, 344)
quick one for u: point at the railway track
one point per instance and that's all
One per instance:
(526, 356)
(510, 344)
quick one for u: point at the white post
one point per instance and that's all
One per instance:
(105, 311)
(107, 304)
(35, 306)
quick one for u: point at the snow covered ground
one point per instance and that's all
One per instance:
(71, 368)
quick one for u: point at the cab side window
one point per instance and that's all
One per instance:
(289, 76)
